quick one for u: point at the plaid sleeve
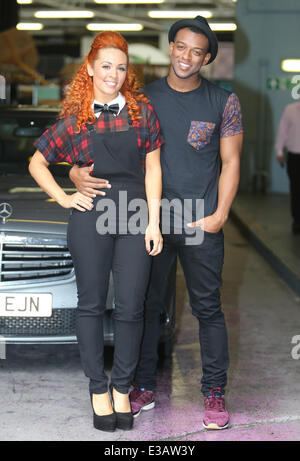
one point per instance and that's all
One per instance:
(232, 117)
(54, 143)
(154, 138)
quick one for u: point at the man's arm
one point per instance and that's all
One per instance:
(230, 151)
(87, 184)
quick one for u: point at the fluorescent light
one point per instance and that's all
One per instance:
(133, 2)
(24, 2)
(290, 65)
(29, 26)
(64, 14)
(225, 26)
(121, 27)
(172, 14)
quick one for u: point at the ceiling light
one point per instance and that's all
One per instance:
(64, 14)
(223, 27)
(29, 26)
(121, 27)
(172, 14)
(24, 2)
(290, 65)
(133, 2)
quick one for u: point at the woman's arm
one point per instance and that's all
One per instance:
(38, 168)
(153, 184)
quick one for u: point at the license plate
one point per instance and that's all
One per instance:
(25, 304)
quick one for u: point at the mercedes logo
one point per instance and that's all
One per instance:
(5, 211)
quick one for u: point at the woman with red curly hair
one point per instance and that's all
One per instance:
(106, 124)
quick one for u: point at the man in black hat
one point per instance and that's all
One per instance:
(202, 128)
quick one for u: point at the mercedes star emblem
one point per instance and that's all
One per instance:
(5, 211)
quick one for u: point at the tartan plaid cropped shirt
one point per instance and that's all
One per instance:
(61, 143)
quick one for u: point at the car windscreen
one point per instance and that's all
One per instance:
(17, 135)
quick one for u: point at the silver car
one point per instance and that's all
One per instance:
(38, 295)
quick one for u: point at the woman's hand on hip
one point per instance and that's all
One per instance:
(153, 235)
(78, 201)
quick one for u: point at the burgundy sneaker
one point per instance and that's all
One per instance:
(216, 416)
(141, 400)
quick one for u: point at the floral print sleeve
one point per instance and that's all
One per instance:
(232, 117)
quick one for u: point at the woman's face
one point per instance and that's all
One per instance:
(109, 72)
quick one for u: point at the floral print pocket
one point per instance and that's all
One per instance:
(200, 134)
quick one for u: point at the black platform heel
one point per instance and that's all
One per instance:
(107, 423)
(124, 420)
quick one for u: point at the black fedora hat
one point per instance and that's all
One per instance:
(200, 23)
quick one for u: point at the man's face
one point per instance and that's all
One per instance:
(188, 53)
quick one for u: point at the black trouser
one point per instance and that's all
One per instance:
(202, 266)
(94, 256)
(293, 169)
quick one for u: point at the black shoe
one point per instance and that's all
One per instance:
(124, 420)
(107, 423)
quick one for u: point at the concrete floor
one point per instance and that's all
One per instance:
(266, 221)
(44, 395)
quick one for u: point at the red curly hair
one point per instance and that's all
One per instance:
(80, 95)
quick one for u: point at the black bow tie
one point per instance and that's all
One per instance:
(114, 108)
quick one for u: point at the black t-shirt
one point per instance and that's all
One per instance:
(192, 124)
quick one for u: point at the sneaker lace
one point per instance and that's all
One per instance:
(145, 396)
(215, 401)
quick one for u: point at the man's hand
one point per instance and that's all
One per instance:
(87, 184)
(210, 224)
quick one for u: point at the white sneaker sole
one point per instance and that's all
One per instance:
(214, 427)
(145, 408)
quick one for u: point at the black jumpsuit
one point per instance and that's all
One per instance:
(116, 158)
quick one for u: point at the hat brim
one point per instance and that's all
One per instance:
(203, 28)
